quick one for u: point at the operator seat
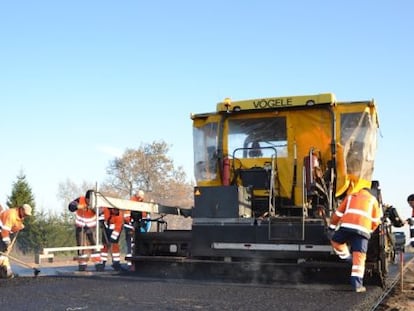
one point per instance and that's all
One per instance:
(255, 152)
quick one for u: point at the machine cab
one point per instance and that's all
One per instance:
(291, 154)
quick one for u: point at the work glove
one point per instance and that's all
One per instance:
(412, 244)
(330, 233)
(410, 221)
(73, 207)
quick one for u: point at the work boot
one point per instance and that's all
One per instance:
(3, 272)
(10, 273)
(116, 266)
(99, 267)
(361, 289)
(12, 276)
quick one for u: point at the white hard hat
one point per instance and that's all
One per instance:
(27, 209)
(140, 193)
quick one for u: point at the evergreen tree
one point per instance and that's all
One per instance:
(22, 194)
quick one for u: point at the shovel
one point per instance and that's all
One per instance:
(9, 249)
(22, 263)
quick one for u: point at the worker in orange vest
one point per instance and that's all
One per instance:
(112, 221)
(85, 224)
(355, 219)
(11, 222)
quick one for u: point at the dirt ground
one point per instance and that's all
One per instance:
(401, 299)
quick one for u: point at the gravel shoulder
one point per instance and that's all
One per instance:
(401, 298)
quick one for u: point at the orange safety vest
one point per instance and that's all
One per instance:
(85, 217)
(358, 212)
(10, 222)
(113, 222)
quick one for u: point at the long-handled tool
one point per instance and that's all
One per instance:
(10, 247)
(22, 263)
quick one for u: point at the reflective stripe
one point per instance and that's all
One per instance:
(359, 212)
(116, 256)
(339, 214)
(84, 221)
(7, 228)
(358, 271)
(341, 250)
(348, 203)
(114, 235)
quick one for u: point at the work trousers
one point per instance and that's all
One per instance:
(359, 247)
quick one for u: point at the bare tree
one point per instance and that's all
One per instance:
(149, 168)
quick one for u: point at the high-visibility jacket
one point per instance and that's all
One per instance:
(358, 212)
(84, 216)
(10, 222)
(113, 222)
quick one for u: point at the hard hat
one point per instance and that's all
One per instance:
(140, 193)
(88, 194)
(27, 209)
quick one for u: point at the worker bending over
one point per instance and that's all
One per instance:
(11, 222)
(85, 223)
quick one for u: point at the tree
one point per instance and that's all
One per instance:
(22, 194)
(55, 231)
(149, 168)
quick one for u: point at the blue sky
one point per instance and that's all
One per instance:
(81, 81)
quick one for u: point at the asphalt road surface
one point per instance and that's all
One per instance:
(62, 288)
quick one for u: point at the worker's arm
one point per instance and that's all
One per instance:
(119, 221)
(5, 231)
(337, 215)
(73, 206)
(76, 204)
